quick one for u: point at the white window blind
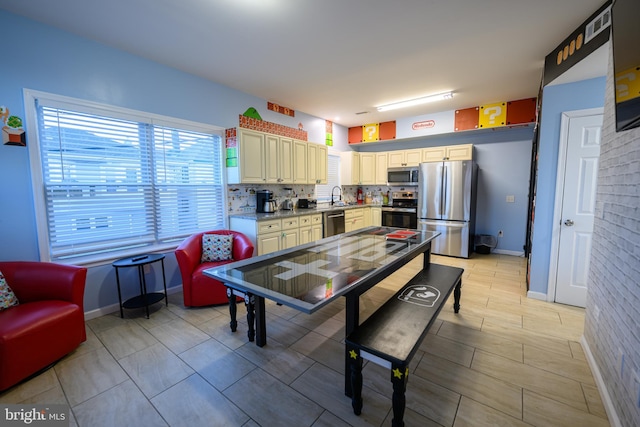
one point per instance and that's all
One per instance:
(323, 192)
(114, 185)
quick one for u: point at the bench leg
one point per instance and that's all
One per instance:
(399, 377)
(456, 296)
(232, 309)
(354, 377)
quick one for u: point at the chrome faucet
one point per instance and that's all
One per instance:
(339, 195)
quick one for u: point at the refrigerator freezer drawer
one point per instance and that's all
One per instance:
(453, 239)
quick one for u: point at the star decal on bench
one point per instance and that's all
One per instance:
(353, 354)
(397, 373)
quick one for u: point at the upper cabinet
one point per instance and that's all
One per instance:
(401, 158)
(251, 158)
(367, 168)
(299, 162)
(265, 158)
(451, 152)
(317, 157)
(382, 160)
(349, 168)
(373, 168)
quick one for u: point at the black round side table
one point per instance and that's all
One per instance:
(144, 299)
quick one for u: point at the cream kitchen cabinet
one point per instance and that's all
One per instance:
(401, 158)
(349, 168)
(290, 232)
(363, 168)
(317, 158)
(251, 168)
(277, 234)
(262, 159)
(267, 235)
(451, 152)
(376, 216)
(300, 162)
(310, 228)
(316, 227)
(381, 168)
(367, 168)
(366, 215)
(353, 219)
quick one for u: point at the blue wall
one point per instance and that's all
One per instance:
(504, 161)
(50, 60)
(46, 59)
(555, 100)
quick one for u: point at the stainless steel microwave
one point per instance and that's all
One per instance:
(403, 177)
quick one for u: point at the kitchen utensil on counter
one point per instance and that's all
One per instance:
(262, 197)
(269, 206)
(307, 204)
(287, 205)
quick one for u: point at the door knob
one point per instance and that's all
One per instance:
(568, 223)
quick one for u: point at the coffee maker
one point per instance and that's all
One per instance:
(265, 202)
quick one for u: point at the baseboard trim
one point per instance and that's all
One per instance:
(112, 308)
(537, 295)
(614, 420)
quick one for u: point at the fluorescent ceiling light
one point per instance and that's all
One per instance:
(417, 101)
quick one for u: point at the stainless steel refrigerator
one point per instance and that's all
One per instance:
(447, 203)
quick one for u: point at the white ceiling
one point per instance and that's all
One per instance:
(335, 58)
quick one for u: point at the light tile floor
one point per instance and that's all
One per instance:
(503, 360)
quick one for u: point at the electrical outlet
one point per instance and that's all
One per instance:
(500, 234)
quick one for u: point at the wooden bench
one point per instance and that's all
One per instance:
(392, 335)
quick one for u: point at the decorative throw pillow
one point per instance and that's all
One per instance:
(7, 297)
(217, 247)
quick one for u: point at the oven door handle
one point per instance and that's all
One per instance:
(408, 210)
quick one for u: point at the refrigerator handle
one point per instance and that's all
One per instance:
(443, 200)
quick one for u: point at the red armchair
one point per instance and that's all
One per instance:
(198, 289)
(47, 324)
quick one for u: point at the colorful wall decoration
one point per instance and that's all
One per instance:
(280, 109)
(12, 131)
(492, 115)
(329, 133)
(274, 128)
(372, 132)
(231, 147)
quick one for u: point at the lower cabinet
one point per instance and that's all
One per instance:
(353, 219)
(277, 234)
(376, 216)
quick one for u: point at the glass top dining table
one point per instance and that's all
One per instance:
(312, 275)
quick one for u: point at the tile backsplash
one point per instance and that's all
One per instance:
(241, 198)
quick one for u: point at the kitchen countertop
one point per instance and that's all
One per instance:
(297, 212)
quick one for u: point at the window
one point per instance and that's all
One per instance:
(323, 192)
(111, 182)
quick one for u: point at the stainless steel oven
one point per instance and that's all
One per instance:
(403, 211)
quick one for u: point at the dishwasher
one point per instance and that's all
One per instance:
(333, 223)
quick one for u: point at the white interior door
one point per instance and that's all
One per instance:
(575, 205)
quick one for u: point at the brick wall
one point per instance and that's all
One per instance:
(612, 323)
